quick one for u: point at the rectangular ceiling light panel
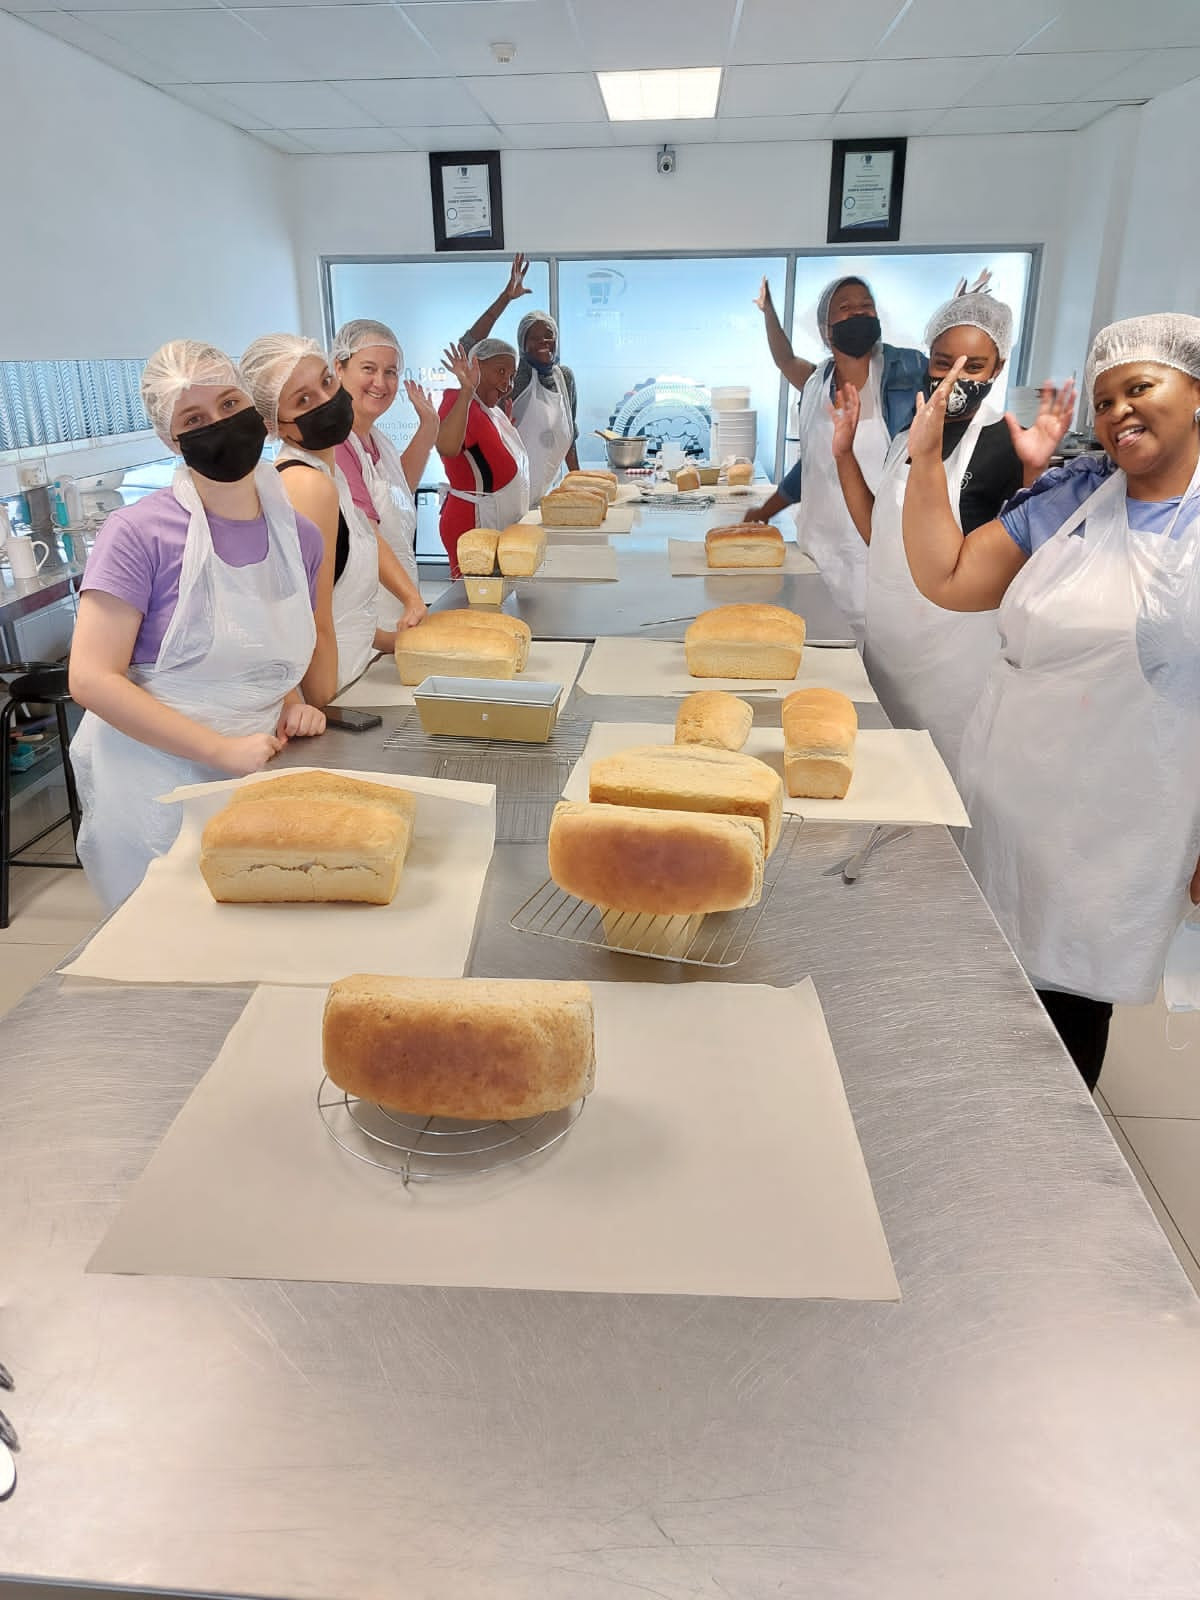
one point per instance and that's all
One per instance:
(665, 96)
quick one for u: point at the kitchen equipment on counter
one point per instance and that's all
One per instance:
(485, 709)
(621, 450)
(734, 434)
(731, 397)
(23, 558)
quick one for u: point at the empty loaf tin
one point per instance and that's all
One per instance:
(484, 708)
(484, 591)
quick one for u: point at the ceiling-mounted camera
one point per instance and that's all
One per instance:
(666, 161)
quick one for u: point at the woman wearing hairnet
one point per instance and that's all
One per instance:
(888, 380)
(544, 398)
(485, 460)
(368, 359)
(302, 402)
(1080, 766)
(195, 622)
(927, 664)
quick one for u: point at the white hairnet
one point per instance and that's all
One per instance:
(527, 322)
(268, 363)
(489, 349)
(826, 300)
(974, 310)
(362, 334)
(177, 366)
(1167, 337)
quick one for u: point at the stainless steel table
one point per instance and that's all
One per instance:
(1025, 1423)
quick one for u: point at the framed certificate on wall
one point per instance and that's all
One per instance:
(866, 189)
(467, 206)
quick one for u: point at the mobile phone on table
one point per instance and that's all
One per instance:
(350, 719)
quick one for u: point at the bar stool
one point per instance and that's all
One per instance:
(38, 683)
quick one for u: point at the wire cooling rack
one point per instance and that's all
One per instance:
(720, 939)
(425, 1149)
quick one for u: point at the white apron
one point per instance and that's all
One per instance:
(927, 665)
(508, 505)
(396, 511)
(824, 526)
(1081, 774)
(543, 419)
(354, 593)
(241, 639)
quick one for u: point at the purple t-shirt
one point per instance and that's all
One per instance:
(138, 557)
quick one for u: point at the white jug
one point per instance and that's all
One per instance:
(24, 560)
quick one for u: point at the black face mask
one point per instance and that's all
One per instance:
(855, 336)
(328, 424)
(227, 450)
(965, 398)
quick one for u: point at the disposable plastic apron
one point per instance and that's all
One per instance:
(355, 592)
(927, 665)
(543, 419)
(241, 638)
(397, 513)
(508, 505)
(824, 526)
(1082, 778)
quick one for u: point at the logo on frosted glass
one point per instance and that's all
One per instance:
(604, 286)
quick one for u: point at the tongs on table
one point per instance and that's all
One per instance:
(883, 834)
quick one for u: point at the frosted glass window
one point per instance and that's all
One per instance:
(686, 324)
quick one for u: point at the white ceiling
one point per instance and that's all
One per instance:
(378, 75)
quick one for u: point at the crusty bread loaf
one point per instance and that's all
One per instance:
(745, 641)
(691, 777)
(744, 545)
(293, 786)
(513, 626)
(293, 849)
(460, 1047)
(456, 651)
(819, 730)
(713, 717)
(521, 550)
(668, 862)
(687, 479)
(586, 478)
(477, 552)
(740, 474)
(574, 508)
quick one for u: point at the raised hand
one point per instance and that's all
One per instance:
(845, 411)
(515, 287)
(1037, 443)
(925, 434)
(763, 298)
(421, 401)
(462, 366)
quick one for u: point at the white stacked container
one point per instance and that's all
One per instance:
(734, 425)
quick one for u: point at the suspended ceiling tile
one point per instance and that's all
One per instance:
(203, 97)
(916, 85)
(802, 31)
(1155, 73)
(461, 35)
(86, 35)
(92, 7)
(350, 141)
(558, 135)
(952, 28)
(539, 97)
(286, 142)
(412, 102)
(1122, 25)
(1048, 80)
(880, 124)
(361, 41)
(687, 130)
(475, 136)
(298, 105)
(784, 90)
(987, 119)
(1078, 114)
(771, 130)
(201, 46)
(624, 35)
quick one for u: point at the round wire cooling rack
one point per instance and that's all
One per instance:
(421, 1149)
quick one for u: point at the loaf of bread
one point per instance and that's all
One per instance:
(299, 786)
(587, 478)
(293, 849)
(819, 730)
(749, 544)
(574, 508)
(715, 718)
(665, 862)
(455, 650)
(691, 777)
(496, 621)
(748, 641)
(477, 552)
(740, 474)
(521, 550)
(687, 479)
(468, 1048)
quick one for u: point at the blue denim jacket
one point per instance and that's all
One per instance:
(903, 375)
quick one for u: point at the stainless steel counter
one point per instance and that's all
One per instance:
(1024, 1423)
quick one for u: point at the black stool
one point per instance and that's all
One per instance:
(38, 684)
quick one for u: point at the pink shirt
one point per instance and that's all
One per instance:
(346, 457)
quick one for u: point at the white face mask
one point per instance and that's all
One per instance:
(1181, 973)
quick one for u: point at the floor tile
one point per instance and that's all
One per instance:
(1168, 1152)
(23, 965)
(1152, 1068)
(50, 906)
(57, 843)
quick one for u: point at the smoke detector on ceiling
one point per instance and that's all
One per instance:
(504, 53)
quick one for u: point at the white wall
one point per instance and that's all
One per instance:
(130, 218)
(1159, 264)
(996, 190)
